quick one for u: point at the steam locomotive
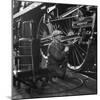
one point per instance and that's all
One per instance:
(32, 33)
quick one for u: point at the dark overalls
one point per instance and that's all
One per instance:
(56, 56)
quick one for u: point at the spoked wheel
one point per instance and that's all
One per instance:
(78, 41)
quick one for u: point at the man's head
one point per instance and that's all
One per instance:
(57, 34)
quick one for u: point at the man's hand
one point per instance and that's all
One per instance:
(66, 49)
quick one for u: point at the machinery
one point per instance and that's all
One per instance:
(32, 33)
(77, 29)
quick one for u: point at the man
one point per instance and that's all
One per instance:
(56, 55)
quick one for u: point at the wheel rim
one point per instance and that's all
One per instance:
(43, 32)
(77, 55)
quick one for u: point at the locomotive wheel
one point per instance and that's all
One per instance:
(78, 47)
